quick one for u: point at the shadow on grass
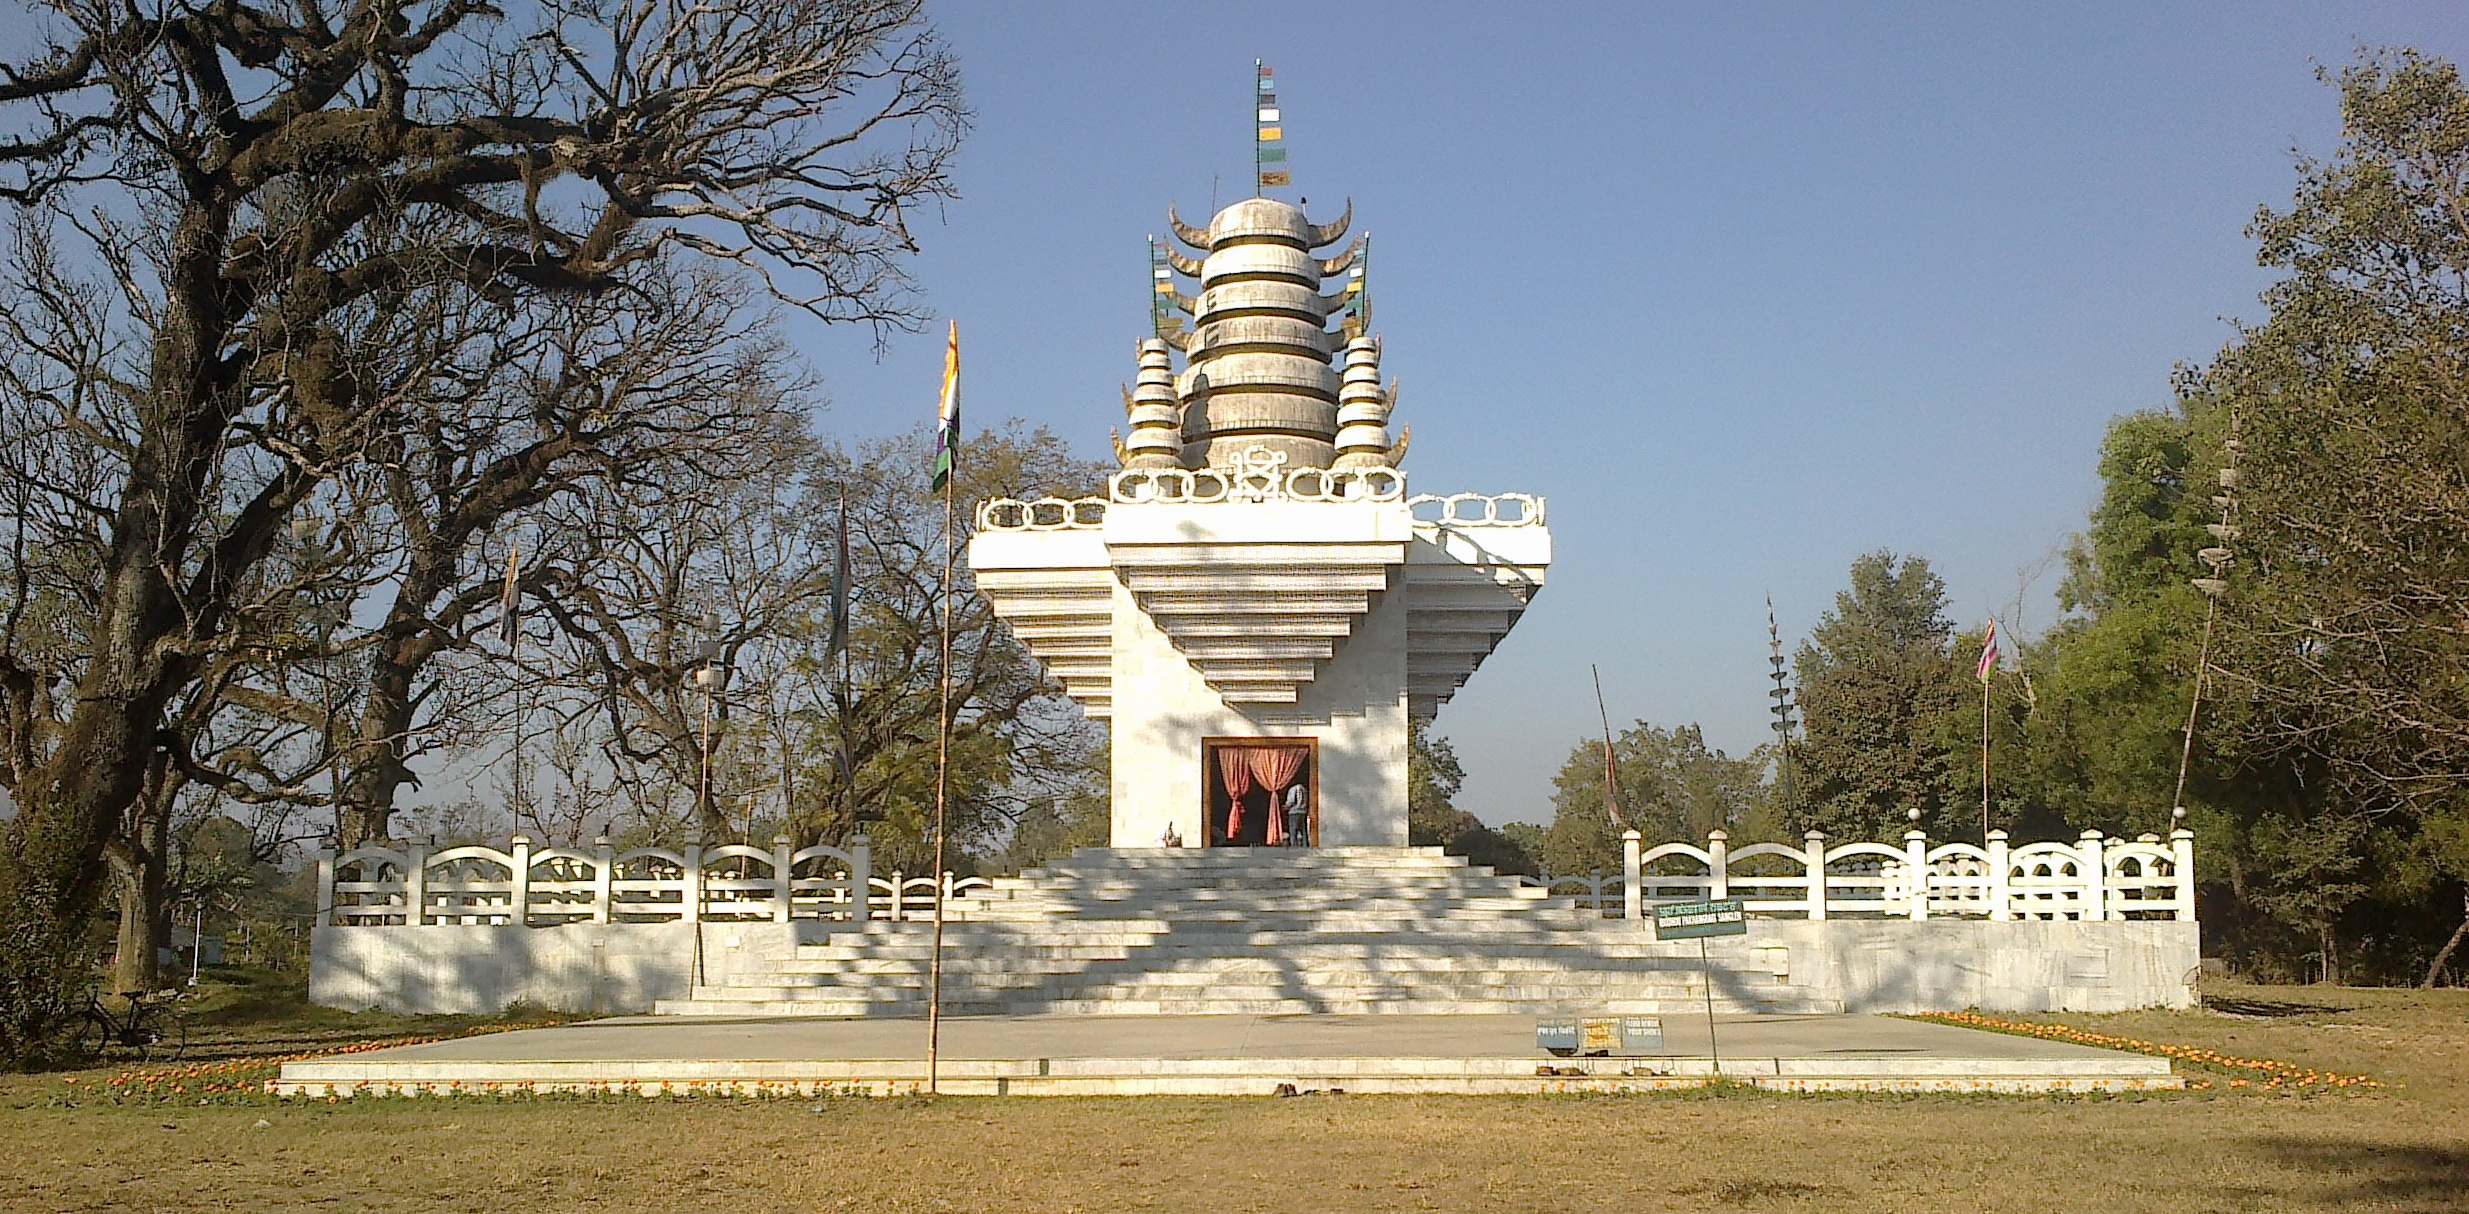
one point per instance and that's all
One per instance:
(1739, 1192)
(2268, 1008)
(2382, 1176)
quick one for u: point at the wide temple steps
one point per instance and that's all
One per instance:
(1242, 931)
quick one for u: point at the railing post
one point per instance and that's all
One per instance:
(325, 890)
(2001, 891)
(690, 899)
(1815, 858)
(416, 884)
(521, 909)
(1916, 866)
(1718, 866)
(861, 879)
(784, 878)
(900, 896)
(1632, 890)
(2092, 858)
(2182, 850)
(604, 878)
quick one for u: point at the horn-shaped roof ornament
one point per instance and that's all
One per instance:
(1183, 265)
(1331, 233)
(1198, 238)
(1333, 266)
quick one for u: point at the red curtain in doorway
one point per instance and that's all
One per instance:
(1234, 771)
(1274, 767)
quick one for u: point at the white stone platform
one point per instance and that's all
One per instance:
(1244, 931)
(1217, 1056)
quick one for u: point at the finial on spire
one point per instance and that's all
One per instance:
(1269, 147)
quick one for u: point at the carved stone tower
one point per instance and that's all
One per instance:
(1257, 607)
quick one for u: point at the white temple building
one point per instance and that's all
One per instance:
(1258, 606)
(1259, 610)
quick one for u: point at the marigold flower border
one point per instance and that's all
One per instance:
(2276, 1075)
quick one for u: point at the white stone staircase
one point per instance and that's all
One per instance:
(1256, 931)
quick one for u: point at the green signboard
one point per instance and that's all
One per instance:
(1697, 920)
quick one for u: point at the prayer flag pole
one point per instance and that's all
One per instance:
(1611, 763)
(1988, 666)
(946, 463)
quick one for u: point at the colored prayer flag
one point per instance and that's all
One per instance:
(1988, 653)
(947, 439)
(1271, 132)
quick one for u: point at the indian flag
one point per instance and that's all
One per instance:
(947, 442)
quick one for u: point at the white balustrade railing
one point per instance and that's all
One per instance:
(2093, 878)
(1043, 514)
(902, 898)
(1206, 486)
(482, 886)
(1477, 510)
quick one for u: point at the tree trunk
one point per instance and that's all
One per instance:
(134, 961)
(142, 862)
(375, 763)
(2435, 971)
(2330, 973)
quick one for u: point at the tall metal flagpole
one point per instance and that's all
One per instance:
(840, 642)
(948, 465)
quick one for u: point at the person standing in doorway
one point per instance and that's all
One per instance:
(1298, 809)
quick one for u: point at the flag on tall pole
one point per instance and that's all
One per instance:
(947, 438)
(1357, 294)
(509, 600)
(1988, 666)
(1611, 758)
(839, 640)
(945, 462)
(1269, 145)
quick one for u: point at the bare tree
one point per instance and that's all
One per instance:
(282, 167)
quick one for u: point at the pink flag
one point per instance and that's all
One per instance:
(1988, 653)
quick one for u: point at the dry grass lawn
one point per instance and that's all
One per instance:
(2404, 1147)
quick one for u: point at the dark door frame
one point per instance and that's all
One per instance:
(1209, 785)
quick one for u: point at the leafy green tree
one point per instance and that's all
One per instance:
(1885, 703)
(1433, 777)
(2108, 686)
(1672, 787)
(2345, 638)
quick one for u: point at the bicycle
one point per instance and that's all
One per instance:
(151, 1030)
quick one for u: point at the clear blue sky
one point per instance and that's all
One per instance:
(1745, 290)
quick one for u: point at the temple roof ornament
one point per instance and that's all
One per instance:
(1259, 356)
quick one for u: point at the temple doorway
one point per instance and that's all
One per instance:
(1260, 792)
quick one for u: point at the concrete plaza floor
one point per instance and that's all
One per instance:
(1217, 1055)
